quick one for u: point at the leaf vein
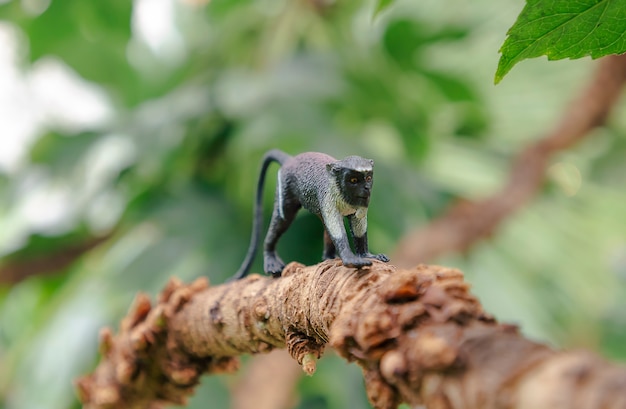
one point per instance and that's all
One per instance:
(593, 30)
(513, 57)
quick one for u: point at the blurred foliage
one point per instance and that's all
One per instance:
(169, 167)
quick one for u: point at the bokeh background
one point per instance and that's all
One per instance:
(131, 135)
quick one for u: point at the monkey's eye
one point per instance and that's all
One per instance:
(353, 180)
(368, 178)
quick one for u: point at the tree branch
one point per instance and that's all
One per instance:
(16, 270)
(419, 336)
(253, 390)
(467, 222)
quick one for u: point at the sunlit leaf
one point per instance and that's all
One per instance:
(381, 6)
(89, 37)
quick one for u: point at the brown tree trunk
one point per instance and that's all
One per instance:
(419, 336)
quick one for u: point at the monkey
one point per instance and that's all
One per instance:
(330, 189)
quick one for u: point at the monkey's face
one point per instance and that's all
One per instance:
(356, 186)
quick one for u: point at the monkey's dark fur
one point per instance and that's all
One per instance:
(326, 187)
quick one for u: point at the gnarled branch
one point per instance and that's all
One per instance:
(419, 336)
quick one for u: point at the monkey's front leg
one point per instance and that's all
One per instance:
(333, 221)
(358, 225)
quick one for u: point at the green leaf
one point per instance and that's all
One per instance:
(381, 6)
(62, 154)
(564, 29)
(401, 40)
(86, 36)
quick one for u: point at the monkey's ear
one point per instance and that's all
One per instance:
(371, 162)
(332, 168)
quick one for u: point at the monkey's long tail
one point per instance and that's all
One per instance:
(274, 155)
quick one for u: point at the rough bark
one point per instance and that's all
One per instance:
(419, 335)
(467, 222)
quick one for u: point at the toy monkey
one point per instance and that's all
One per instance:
(328, 188)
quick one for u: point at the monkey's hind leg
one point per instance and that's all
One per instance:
(330, 252)
(281, 220)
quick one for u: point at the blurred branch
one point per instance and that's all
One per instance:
(14, 271)
(269, 382)
(467, 222)
(419, 336)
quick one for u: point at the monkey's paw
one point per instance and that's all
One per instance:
(272, 264)
(379, 257)
(356, 262)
